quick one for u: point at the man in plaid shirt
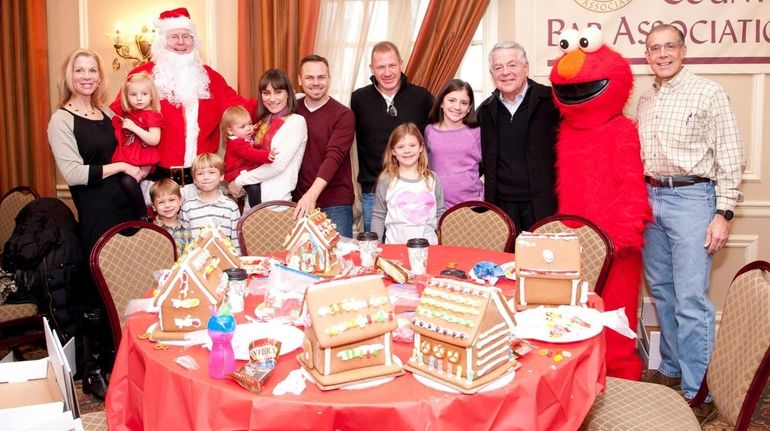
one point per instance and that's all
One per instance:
(693, 161)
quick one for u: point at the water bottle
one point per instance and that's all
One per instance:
(221, 328)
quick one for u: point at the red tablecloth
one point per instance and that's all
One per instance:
(148, 390)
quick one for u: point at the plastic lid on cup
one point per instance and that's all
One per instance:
(235, 273)
(417, 243)
(367, 236)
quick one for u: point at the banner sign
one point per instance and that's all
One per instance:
(722, 36)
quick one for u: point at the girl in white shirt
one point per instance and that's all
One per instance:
(409, 199)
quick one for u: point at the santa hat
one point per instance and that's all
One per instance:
(174, 19)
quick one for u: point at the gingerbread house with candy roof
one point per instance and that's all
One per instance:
(462, 335)
(311, 244)
(192, 286)
(349, 339)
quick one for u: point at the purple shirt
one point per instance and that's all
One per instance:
(455, 156)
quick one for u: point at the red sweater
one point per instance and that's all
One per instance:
(330, 132)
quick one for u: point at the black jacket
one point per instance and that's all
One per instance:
(373, 124)
(45, 256)
(543, 123)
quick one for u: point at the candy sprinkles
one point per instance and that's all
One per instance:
(360, 321)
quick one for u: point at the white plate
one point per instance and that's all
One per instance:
(533, 324)
(510, 270)
(440, 386)
(192, 338)
(290, 337)
(362, 385)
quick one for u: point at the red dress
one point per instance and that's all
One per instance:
(131, 149)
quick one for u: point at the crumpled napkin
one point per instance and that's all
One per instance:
(618, 322)
(294, 383)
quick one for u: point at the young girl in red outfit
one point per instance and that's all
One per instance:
(138, 133)
(244, 151)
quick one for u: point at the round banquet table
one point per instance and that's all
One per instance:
(148, 390)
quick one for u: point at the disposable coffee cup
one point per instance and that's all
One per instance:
(367, 248)
(418, 255)
(236, 288)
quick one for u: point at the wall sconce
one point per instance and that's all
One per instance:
(122, 42)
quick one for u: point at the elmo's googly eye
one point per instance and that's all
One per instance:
(591, 39)
(568, 40)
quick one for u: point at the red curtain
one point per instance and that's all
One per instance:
(24, 105)
(445, 35)
(273, 34)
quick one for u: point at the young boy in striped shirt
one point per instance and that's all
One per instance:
(210, 206)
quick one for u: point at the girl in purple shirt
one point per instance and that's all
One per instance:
(454, 143)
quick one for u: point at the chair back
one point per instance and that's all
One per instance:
(263, 229)
(596, 248)
(122, 262)
(476, 224)
(740, 364)
(13, 201)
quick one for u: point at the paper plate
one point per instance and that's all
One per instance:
(435, 384)
(535, 324)
(363, 385)
(290, 337)
(192, 338)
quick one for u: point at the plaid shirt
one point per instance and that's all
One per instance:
(687, 127)
(181, 233)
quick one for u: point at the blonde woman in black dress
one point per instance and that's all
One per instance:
(82, 140)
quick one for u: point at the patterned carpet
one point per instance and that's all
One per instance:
(760, 420)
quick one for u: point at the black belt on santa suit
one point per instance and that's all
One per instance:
(675, 181)
(179, 174)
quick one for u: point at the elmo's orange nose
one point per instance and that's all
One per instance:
(569, 65)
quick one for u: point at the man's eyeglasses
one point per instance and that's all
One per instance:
(392, 111)
(668, 46)
(177, 37)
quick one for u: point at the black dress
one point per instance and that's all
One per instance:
(101, 204)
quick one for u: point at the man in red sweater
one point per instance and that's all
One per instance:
(193, 98)
(325, 178)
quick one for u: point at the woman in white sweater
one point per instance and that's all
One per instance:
(278, 178)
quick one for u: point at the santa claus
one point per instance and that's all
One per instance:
(193, 97)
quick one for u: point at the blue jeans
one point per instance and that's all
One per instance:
(342, 216)
(678, 270)
(367, 207)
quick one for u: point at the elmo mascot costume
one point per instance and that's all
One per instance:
(599, 171)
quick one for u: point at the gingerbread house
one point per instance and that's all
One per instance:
(349, 337)
(548, 269)
(462, 335)
(311, 244)
(193, 285)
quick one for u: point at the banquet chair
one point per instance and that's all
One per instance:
(122, 263)
(476, 224)
(596, 248)
(263, 229)
(736, 374)
(19, 323)
(95, 421)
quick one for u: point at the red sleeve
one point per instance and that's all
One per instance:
(243, 150)
(227, 96)
(339, 145)
(153, 119)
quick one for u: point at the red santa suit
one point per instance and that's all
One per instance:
(180, 141)
(599, 171)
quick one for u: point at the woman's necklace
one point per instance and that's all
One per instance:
(82, 111)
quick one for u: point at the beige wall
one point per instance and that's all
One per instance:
(75, 23)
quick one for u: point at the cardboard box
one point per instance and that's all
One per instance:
(40, 394)
(649, 335)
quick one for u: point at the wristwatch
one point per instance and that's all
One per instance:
(727, 214)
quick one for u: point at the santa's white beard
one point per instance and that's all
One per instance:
(180, 78)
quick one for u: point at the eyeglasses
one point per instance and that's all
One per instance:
(392, 111)
(186, 37)
(668, 46)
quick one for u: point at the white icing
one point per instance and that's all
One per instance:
(522, 297)
(484, 354)
(187, 322)
(575, 286)
(468, 361)
(185, 303)
(492, 365)
(503, 310)
(483, 342)
(486, 334)
(327, 361)
(388, 355)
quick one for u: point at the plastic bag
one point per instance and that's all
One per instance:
(285, 291)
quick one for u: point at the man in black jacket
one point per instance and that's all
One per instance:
(390, 100)
(519, 124)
